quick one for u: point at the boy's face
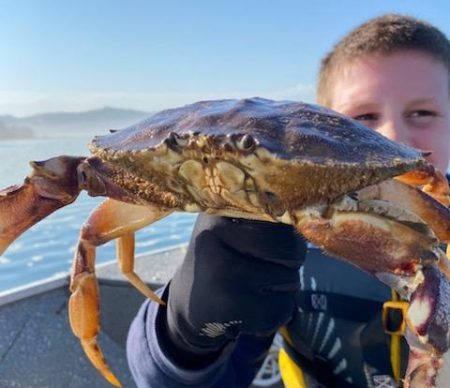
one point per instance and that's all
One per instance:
(404, 96)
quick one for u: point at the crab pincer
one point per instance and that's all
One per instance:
(51, 185)
(394, 231)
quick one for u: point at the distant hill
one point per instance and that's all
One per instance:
(73, 124)
(12, 131)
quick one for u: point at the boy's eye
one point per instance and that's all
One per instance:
(421, 113)
(421, 118)
(366, 117)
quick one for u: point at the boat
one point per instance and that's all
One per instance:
(37, 347)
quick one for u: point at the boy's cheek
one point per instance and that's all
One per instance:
(440, 156)
(436, 140)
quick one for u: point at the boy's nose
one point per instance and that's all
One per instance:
(395, 130)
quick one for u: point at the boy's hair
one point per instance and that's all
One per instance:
(382, 35)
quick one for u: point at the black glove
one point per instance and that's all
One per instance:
(238, 276)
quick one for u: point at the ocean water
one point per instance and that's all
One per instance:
(46, 249)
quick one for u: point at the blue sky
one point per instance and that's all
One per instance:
(150, 55)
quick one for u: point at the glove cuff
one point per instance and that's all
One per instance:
(176, 344)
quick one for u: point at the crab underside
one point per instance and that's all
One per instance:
(374, 203)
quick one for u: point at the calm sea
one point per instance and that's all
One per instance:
(46, 249)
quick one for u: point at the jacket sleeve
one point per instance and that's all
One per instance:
(151, 367)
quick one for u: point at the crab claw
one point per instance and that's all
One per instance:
(51, 185)
(399, 243)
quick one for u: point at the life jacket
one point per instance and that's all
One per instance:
(346, 332)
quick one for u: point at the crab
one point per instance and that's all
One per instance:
(361, 197)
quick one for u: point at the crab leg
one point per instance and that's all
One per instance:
(125, 256)
(428, 329)
(432, 212)
(111, 219)
(433, 182)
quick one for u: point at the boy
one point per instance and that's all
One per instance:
(392, 73)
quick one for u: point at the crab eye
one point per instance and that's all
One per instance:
(353, 195)
(175, 140)
(171, 140)
(246, 143)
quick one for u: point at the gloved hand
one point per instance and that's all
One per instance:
(238, 276)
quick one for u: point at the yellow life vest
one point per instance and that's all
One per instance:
(292, 375)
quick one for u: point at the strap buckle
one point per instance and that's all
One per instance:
(394, 314)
